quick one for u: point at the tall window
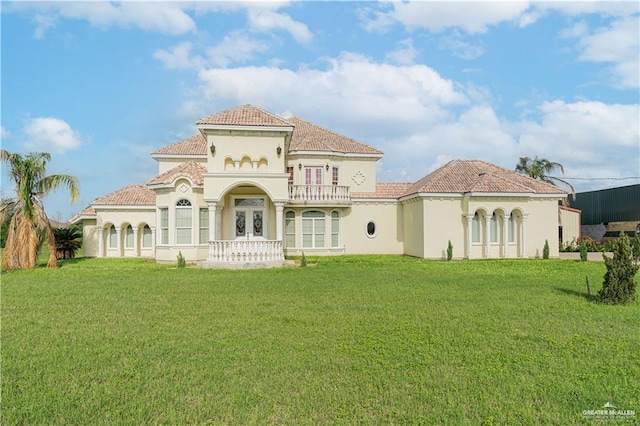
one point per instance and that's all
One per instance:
(494, 228)
(290, 172)
(113, 237)
(334, 176)
(313, 175)
(204, 226)
(146, 237)
(184, 222)
(335, 229)
(164, 226)
(475, 228)
(512, 227)
(290, 229)
(128, 237)
(313, 225)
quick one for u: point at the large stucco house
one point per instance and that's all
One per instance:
(252, 187)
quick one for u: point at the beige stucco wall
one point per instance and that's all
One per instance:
(358, 173)
(570, 222)
(389, 235)
(120, 218)
(443, 221)
(413, 229)
(89, 238)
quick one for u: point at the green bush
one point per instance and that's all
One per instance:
(583, 251)
(449, 251)
(181, 260)
(635, 248)
(545, 250)
(303, 260)
(619, 285)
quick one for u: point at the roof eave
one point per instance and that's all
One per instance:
(203, 127)
(336, 154)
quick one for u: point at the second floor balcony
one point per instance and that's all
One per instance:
(319, 194)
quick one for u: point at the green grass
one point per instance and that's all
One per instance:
(373, 340)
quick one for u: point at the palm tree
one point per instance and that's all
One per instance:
(541, 169)
(29, 225)
(68, 241)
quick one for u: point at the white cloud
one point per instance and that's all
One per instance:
(179, 57)
(265, 20)
(618, 45)
(461, 48)
(235, 48)
(51, 134)
(405, 54)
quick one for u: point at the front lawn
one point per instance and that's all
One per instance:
(375, 340)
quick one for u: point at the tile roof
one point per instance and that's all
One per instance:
(88, 211)
(193, 145)
(244, 115)
(385, 190)
(189, 169)
(310, 137)
(132, 195)
(461, 176)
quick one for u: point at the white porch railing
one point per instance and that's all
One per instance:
(319, 193)
(245, 251)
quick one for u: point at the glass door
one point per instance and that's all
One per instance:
(249, 218)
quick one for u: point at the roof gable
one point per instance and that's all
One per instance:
(132, 195)
(462, 176)
(310, 137)
(193, 145)
(191, 170)
(244, 115)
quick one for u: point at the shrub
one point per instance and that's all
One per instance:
(635, 248)
(583, 252)
(68, 241)
(181, 260)
(590, 243)
(545, 250)
(303, 260)
(619, 286)
(449, 251)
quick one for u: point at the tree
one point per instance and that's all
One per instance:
(619, 286)
(542, 169)
(29, 225)
(68, 241)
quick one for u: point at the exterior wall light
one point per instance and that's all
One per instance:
(279, 150)
(212, 148)
(299, 166)
(327, 167)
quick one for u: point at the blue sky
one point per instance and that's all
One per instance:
(100, 85)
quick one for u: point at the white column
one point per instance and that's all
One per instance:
(487, 235)
(213, 206)
(153, 240)
(135, 241)
(219, 222)
(469, 234)
(524, 235)
(505, 235)
(119, 241)
(100, 230)
(279, 224)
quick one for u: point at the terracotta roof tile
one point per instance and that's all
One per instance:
(385, 190)
(310, 137)
(190, 169)
(132, 195)
(87, 212)
(245, 115)
(461, 176)
(193, 145)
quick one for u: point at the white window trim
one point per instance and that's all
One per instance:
(175, 222)
(375, 229)
(313, 234)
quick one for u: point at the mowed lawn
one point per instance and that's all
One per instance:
(373, 340)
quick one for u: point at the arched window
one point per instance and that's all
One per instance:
(313, 228)
(335, 229)
(128, 237)
(372, 229)
(494, 228)
(290, 229)
(513, 227)
(476, 228)
(146, 237)
(113, 237)
(184, 221)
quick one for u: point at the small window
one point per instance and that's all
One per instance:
(113, 237)
(334, 176)
(164, 226)
(371, 229)
(128, 242)
(475, 228)
(146, 237)
(335, 229)
(204, 226)
(290, 229)
(290, 172)
(494, 228)
(512, 228)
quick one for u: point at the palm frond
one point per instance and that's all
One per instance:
(52, 182)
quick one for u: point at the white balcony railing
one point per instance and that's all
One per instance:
(319, 194)
(233, 251)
